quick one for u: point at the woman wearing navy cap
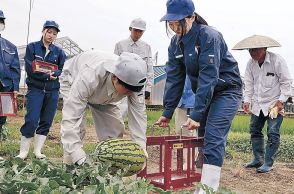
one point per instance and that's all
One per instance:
(199, 51)
(43, 90)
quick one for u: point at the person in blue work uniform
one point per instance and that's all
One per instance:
(9, 68)
(43, 90)
(215, 79)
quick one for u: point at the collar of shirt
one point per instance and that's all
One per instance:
(109, 85)
(131, 42)
(267, 58)
(43, 46)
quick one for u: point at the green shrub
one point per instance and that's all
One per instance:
(241, 124)
(239, 144)
(37, 176)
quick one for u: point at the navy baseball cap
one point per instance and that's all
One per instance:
(178, 9)
(51, 24)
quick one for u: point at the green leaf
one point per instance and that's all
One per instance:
(32, 192)
(27, 186)
(53, 184)
(90, 189)
(82, 178)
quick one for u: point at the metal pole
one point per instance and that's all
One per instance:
(28, 34)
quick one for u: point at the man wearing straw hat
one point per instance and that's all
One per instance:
(267, 87)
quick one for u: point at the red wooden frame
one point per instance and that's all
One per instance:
(13, 104)
(167, 178)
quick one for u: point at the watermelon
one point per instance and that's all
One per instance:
(122, 154)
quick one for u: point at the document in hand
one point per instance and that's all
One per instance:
(7, 104)
(44, 67)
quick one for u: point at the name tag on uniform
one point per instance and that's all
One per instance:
(211, 59)
(179, 56)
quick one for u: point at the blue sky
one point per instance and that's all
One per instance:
(100, 24)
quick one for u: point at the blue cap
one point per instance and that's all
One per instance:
(178, 9)
(51, 24)
(1, 15)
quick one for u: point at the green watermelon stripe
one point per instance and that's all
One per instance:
(122, 160)
(122, 153)
(122, 148)
(125, 162)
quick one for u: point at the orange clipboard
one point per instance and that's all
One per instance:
(7, 104)
(44, 67)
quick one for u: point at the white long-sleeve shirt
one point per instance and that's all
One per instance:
(90, 83)
(142, 49)
(266, 84)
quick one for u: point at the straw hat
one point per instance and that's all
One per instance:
(256, 41)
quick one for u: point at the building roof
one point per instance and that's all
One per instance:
(159, 73)
(68, 46)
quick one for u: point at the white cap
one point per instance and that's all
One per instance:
(129, 68)
(139, 24)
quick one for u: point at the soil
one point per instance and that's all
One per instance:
(247, 181)
(234, 177)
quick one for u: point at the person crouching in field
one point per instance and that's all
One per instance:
(99, 81)
(43, 90)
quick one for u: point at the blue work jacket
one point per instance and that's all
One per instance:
(188, 96)
(9, 65)
(37, 50)
(203, 55)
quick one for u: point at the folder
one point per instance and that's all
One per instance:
(44, 67)
(7, 104)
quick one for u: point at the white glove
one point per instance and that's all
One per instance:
(145, 153)
(81, 161)
(273, 113)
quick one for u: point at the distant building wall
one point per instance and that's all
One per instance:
(157, 93)
(157, 89)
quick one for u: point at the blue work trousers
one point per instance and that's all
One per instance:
(223, 107)
(41, 107)
(273, 127)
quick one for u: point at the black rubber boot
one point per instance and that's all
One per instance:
(200, 158)
(258, 153)
(270, 155)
